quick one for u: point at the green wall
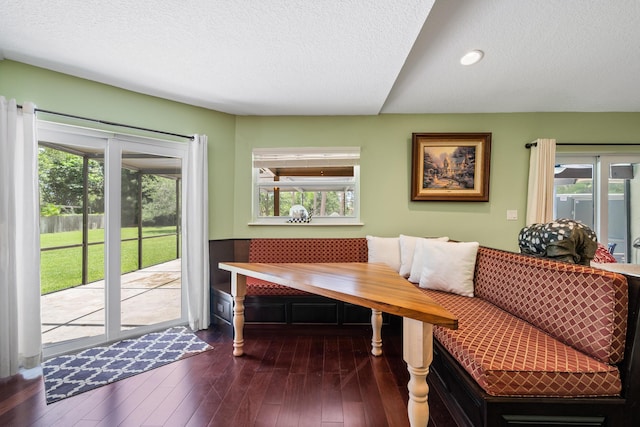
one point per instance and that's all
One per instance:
(385, 142)
(59, 92)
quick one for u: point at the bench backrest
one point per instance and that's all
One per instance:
(581, 306)
(308, 250)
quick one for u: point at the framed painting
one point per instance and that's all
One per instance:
(451, 166)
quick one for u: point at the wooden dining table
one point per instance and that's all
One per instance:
(371, 285)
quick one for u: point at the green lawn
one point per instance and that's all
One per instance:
(62, 268)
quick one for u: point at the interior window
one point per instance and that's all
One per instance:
(306, 185)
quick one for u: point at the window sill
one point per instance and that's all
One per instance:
(307, 224)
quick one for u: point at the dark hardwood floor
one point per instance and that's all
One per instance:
(289, 376)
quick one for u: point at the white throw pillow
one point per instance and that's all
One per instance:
(407, 249)
(449, 267)
(385, 250)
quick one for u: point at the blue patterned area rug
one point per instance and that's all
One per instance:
(68, 375)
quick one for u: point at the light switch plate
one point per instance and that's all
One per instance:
(512, 215)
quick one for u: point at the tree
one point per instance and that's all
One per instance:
(61, 182)
(61, 189)
(129, 198)
(158, 200)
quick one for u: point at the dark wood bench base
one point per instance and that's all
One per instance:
(471, 406)
(289, 310)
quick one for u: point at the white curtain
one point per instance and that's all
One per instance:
(197, 235)
(541, 172)
(20, 334)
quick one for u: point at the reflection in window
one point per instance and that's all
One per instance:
(320, 185)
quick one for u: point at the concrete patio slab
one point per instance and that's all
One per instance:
(149, 279)
(148, 296)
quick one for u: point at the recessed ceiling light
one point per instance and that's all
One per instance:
(472, 57)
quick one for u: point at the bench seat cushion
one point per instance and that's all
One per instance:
(509, 357)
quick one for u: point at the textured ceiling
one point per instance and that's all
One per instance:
(337, 57)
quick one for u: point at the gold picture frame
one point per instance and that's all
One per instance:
(451, 167)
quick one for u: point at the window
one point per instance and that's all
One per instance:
(603, 192)
(317, 186)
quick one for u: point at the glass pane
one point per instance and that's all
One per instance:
(322, 191)
(633, 219)
(159, 250)
(573, 187)
(71, 181)
(150, 256)
(624, 212)
(129, 251)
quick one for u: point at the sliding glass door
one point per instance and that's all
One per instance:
(150, 237)
(113, 269)
(604, 193)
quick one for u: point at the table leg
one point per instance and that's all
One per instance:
(418, 353)
(238, 291)
(376, 337)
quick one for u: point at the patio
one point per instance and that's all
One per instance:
(149, 296)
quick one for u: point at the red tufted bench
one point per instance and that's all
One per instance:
(539, 328)
(536, 328)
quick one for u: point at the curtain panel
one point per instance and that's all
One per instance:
(541, 172)
(197, 234)
(20, 333)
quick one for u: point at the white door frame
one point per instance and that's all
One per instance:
(113, 145)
